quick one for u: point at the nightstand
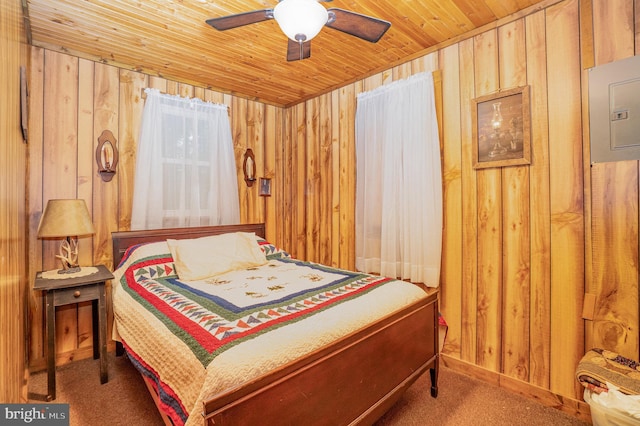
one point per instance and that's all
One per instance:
(65, 291)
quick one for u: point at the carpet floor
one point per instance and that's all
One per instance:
(124, 400)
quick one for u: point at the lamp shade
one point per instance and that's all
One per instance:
(300, 20)
(65, 218)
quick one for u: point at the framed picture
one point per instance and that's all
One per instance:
(501, 129)
(265, 187)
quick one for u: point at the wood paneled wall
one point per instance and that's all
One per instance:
(521, 244)
(613, 277)
(73, 100)
(13, 152)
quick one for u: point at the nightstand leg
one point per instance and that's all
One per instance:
(102, 313)
(51, 346)
(95, 317)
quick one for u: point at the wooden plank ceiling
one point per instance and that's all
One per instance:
(170, 38)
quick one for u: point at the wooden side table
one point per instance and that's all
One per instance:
(65, 291)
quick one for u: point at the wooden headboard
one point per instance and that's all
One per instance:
(125, 239)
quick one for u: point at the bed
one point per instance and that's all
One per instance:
(348, 363)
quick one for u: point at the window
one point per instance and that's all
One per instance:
(185, 167)
(399, 182)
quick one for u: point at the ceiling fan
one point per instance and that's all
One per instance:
(301, 20)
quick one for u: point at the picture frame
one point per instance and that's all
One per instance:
(265, 187)
(502, 129)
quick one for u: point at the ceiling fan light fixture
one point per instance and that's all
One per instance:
(300, 20)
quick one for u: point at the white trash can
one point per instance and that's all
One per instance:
(613, 408)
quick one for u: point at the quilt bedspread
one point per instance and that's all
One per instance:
(194, 339)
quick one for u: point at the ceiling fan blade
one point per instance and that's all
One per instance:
(356, 24)
(297, 51)
(240, 19)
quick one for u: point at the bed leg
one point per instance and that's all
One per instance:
(119, 349)
(433, 372)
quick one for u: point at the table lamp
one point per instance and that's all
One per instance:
(66, 219)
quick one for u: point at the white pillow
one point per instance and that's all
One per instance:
(205, 257)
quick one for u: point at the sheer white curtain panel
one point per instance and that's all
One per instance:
(399, 181)
(185, 167)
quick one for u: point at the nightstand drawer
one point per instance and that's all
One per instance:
(76, 294)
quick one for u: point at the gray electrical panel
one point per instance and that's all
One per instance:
(614, 111)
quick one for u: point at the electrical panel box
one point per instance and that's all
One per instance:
(614, 111)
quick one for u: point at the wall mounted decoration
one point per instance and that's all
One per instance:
(249, 167)
(107, 155)
(265, 187)
(501, 129)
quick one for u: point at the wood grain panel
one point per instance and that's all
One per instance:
(85, 157)
(516, 228)
(131, 107)
(451, 295)
(13, 209)
(588, 60)
(105, 194)
(566, 197)
(539, 212)
(60, 170)
(299, 155)
(106, 102)
(36, 206)
(312, 184)
(586, 33)
(346, 124)
(255, 135)
(239, 131)
(286, 208)
(272, 126)
(60, 141)
(489, 237)
(325, 163)
(400, 72)
(335, 179)
(615, 210)
(469, 285)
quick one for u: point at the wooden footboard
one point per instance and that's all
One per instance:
(353, 381)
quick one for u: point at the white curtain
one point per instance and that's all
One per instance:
(399, 182)
(185, 168)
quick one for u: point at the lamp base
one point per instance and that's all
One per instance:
(70, 270)
(63, 274)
